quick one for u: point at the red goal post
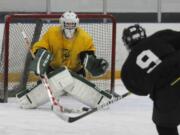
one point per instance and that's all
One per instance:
(14, 73)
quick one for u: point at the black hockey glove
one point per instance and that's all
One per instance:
(95, 66)
(41, 62)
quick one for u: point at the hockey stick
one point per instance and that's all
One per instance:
(54, 102)
(75, 118)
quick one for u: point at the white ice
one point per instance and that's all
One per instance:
(130, 116)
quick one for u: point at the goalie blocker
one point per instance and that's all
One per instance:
(62, 81)
(41, 62)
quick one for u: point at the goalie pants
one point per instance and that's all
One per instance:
(166, 108)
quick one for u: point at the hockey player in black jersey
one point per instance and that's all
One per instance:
(153, 68)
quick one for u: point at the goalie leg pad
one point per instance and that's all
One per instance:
(87, 93)
(59, 80)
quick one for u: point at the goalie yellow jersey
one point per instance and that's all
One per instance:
(65, 51)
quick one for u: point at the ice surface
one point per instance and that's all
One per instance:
(130, 116)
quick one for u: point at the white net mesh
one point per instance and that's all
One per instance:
(102, 34)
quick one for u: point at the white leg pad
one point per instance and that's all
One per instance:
(39, 96)
(85, 92)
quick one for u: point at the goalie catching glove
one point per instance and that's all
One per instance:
(41, 62)
(95, 66)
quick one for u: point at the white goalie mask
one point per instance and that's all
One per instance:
(69, 22)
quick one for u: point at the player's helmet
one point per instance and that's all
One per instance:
(133, 35)
(69, 22)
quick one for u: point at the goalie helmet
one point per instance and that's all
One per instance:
(69, 22)
(133, 35)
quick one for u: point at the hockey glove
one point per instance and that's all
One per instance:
(41, 62)
(95, 66)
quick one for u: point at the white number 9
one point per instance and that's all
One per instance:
(146, 58)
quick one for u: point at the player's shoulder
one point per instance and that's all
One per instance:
(165, 31)
(164, 34)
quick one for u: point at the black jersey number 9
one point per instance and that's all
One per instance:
(147, 60)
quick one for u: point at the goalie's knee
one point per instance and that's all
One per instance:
(59, 80)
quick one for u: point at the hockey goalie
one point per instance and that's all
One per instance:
(66, 53)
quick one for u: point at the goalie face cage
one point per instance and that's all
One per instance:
(15, 58)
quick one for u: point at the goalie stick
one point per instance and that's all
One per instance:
(71, 119)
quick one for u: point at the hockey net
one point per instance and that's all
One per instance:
(15, 58)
